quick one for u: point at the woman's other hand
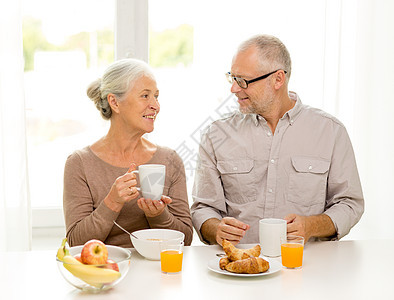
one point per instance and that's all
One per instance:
(153, 208)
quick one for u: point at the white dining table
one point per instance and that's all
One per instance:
(352, 269)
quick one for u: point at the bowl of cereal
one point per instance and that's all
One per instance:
(147, 241)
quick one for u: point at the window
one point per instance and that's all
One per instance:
(66, 44)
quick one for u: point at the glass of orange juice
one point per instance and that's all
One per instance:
(171, 256)
(292, 248)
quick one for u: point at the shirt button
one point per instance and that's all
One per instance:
(310, 167)
(269, 133)
(270, 190)
(235, 168)
(272, 161)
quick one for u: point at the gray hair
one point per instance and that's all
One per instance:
(118, 79)
(273, 53)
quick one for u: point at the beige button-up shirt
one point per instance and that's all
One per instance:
(306, 167)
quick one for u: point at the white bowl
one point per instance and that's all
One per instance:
(148, 242)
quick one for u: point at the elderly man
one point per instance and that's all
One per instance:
(275, 158)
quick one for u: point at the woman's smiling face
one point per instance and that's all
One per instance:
(140, 106)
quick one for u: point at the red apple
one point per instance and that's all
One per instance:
(94, 252)
(78, 257)
(112, 265)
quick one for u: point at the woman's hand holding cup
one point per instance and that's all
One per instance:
(123, 190)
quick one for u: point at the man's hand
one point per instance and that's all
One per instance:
(231, 229)
(296, 225)
(310, 226)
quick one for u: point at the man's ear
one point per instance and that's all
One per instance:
(113, 102)
(280, 79)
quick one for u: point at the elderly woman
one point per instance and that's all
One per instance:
(98, 185)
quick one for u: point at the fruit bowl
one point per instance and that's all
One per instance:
(96, 278)
(148, 241)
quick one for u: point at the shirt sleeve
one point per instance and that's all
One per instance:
(83, 222)
(177, 214)
(344, 201)
(208, 195)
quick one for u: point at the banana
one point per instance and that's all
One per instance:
(62, 251)
(92, 275)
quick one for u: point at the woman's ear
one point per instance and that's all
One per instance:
(113, 102)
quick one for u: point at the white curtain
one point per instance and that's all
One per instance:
(358, 80)
(373, 118)
(15, 220)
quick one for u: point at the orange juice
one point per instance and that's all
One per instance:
(292, 255)
(171, 261)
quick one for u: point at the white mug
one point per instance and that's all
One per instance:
(270, 233)
(152, 177)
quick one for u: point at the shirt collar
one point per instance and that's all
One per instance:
(256, 118)
(293, 113)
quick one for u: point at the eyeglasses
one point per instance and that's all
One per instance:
(243, 83)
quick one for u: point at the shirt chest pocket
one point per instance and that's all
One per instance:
(238, 179)
(308, 181)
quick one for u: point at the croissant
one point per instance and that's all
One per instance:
(234, 253)
(251, 265)
(223, 262)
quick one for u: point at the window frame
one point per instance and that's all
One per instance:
(131, 40)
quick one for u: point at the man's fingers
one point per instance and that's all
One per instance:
(232, 233)
(235, 223)
(231, 229)
(291, 228)
(228, 231)
(235, 239)
(290, 218)
(229, 237)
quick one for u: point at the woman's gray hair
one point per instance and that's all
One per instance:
(273, 53)
(118, 79)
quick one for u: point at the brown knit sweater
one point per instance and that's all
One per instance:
(88, 180)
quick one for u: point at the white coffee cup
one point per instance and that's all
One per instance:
(152, 177)
(270, 232)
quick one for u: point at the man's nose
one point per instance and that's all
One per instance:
(235, 88)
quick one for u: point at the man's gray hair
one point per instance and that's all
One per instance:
(272, 52)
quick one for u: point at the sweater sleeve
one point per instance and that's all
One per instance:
(177, 214)
(83, 220)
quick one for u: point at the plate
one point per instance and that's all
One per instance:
(275, 266)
